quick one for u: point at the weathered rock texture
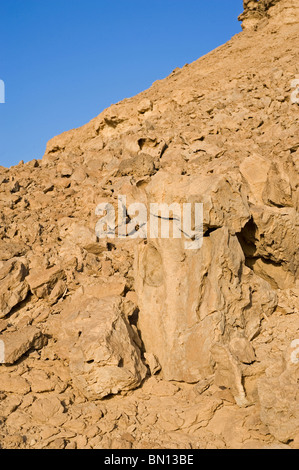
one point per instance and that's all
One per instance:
(194, 348)
(98, 342)
(257, 12)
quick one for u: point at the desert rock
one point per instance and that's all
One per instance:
(184, 342)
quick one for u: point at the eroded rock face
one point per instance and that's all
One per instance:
(18, 343)
(47, 283)
(97, 340)
(278, 395)
(191, 300)
(187, 344)
(257, 10)
(14, 287)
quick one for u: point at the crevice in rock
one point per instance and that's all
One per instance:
(19, 306)
(247, 239)
(210, 230)
(266, 268)
(133, 319)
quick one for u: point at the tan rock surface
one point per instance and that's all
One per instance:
(19, 342)
(14, 287)
(98, 343)
(144, 343)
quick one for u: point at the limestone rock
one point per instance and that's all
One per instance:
(228, 373)
(254, 11)
(153, 363)
(187, 303)
(140, 166)
(10, 249)
(105, 288)
(43, 282)
(13, 384)
(16, 344)
(44, 410)
(98, 343)
(14, 286)
(257, 10)
(41, 382)
(144, 106)
(242, 349)
(77, 234)
(178, 336)
(278, 395)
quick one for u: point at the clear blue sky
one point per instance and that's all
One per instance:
(64, 61)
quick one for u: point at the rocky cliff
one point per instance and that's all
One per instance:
(258, 12)
(129, 343)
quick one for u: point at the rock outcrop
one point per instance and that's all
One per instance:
(257, 12)
(14, 286)
(96, 339)
(123, 342)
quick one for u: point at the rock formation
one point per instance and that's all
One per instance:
(144, 343)
(257, 10)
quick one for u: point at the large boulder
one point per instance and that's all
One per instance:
(97, 340)
(200, 307)
(17, 343)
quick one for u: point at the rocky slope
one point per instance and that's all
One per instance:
(121, 343)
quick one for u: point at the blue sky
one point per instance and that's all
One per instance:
(64, 61)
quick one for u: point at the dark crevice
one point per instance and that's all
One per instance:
(133, 319)
(210, 230)
(247, 239)
(276, 204)
(111, 247)
(23, 303)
